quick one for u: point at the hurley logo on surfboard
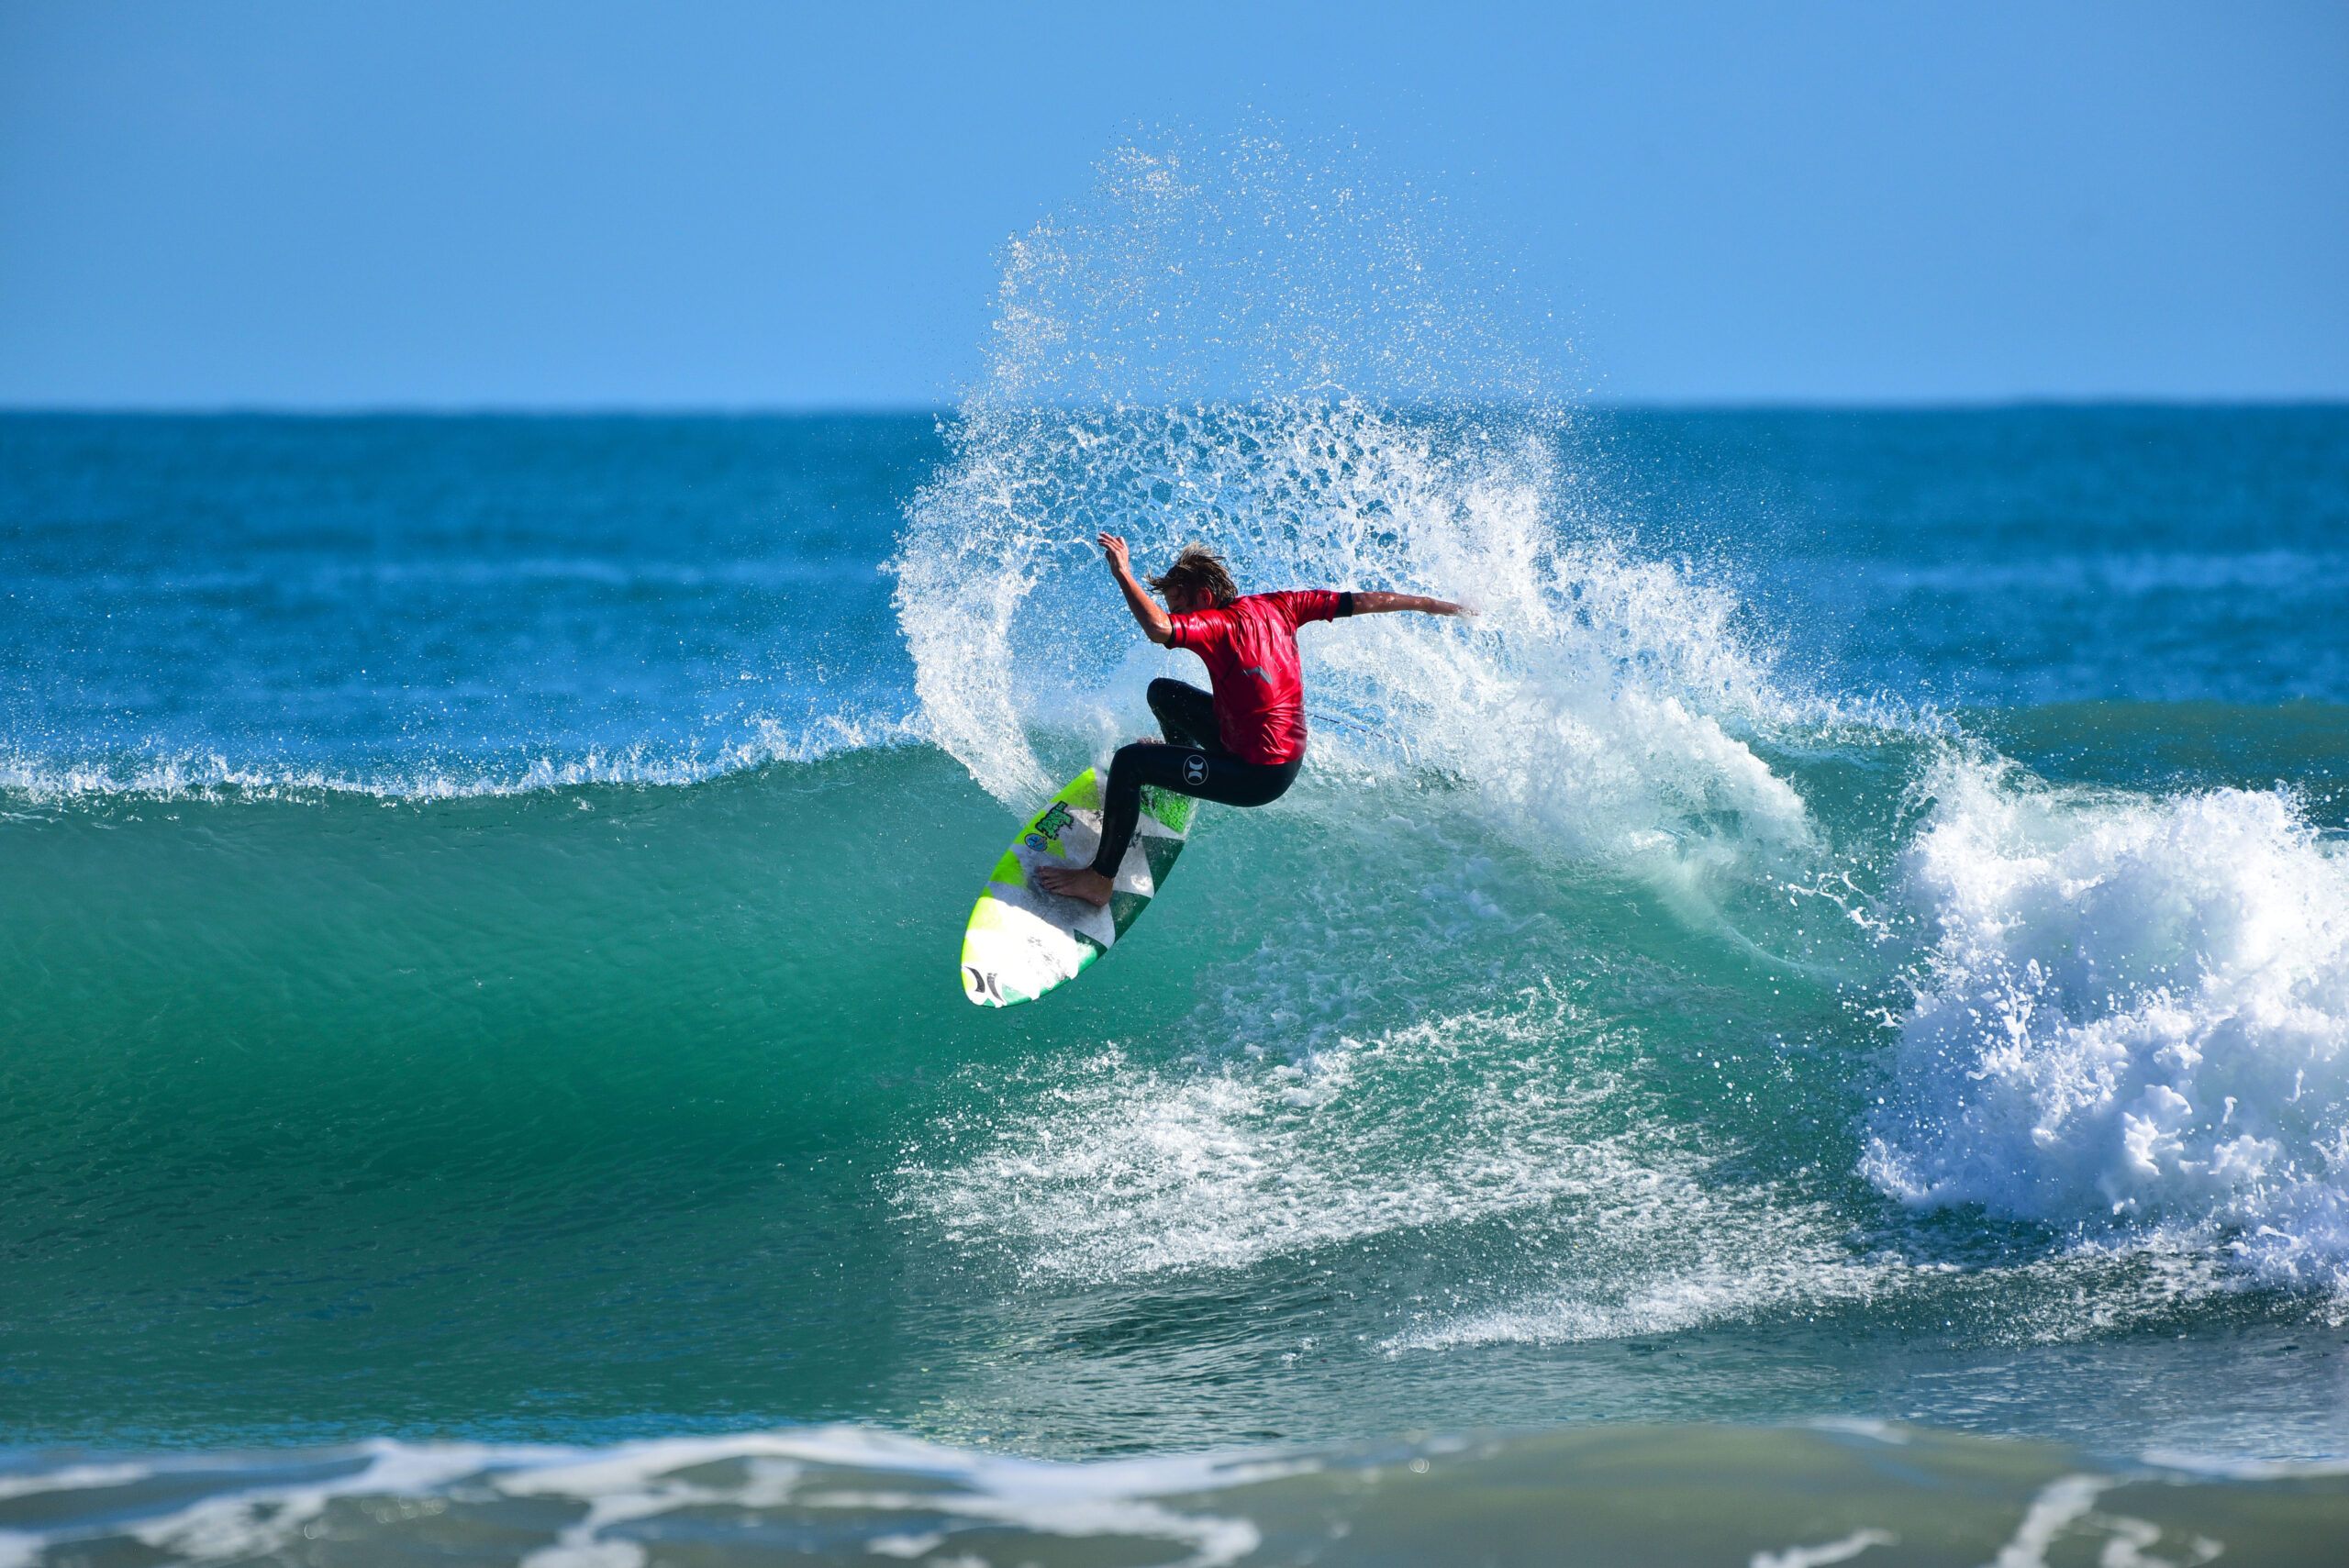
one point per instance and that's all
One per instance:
(1049, 826)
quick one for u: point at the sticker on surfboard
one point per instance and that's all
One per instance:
(1023, 942)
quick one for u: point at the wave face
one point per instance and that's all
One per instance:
(1855, 928)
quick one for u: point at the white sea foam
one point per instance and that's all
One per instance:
(2135, 1019)
(838, 1493)
(842, 1492)
(1842, 1550)
(890, 1493)
(1120, 1169)
(1705, 1258)
(40, 780)
(1597, 706)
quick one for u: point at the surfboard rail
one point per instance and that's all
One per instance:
(1021, 941)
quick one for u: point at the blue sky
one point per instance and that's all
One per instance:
(770, 205)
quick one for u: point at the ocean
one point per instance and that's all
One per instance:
(1813, 1029)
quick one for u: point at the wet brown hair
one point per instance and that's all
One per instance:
(1198, 570)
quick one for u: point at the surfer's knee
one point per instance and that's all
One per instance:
(1126, 764)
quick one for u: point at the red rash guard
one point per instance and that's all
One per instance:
(1250, 647)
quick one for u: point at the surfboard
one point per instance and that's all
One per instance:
(1023, 942)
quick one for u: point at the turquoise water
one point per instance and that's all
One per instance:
(1814, 1028)
(1855, 932)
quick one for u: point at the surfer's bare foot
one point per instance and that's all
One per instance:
(1075, 882)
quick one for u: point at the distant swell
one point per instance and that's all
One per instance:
(36, 780)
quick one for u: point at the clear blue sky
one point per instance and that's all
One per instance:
(327, 204)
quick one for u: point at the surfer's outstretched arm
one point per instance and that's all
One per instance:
(1155, 623)
(1379, 604)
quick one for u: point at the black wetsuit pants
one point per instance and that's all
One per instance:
(1193, 761)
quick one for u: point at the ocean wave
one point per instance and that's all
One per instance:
(822, 1489)
(339, 578)
(1601, 703)
(2133, 1020)
(1120, 1170)
(33, 779)
(1397, 440)
(2133, 576)
(1527, 1120)
(1800, 1495)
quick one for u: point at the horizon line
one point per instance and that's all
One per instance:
(847, 410)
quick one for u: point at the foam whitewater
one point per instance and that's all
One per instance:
(2121, 1016)
(2133, 1022)
(1626, 978)
(38, 778)
(1787, 1498)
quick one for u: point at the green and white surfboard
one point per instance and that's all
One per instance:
(1022, 941)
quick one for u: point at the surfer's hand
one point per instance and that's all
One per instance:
(1153, 620)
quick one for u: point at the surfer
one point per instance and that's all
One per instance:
(1241, 745)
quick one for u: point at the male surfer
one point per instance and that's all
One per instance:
(1242, 745)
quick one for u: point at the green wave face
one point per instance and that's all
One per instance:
(427, 1103)
(625, 1108)
(1854, 929)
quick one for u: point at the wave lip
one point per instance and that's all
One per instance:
(2135, 1019)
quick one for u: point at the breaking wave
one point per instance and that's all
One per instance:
(2132, 1018)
